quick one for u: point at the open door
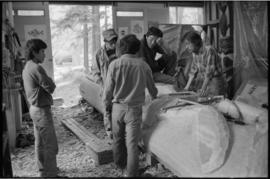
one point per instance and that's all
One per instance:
(32, 20)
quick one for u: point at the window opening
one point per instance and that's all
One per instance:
(30, 12)
(129, 14)
(186, 15)
(76, 33)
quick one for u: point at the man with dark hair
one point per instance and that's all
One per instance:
(163, 68)
(205, 75)
(104, 56)
(38, 88)
(124, 90)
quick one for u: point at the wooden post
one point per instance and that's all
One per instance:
(85, 48)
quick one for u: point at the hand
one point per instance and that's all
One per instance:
(109, 134)
(100, 82)
(159, 41)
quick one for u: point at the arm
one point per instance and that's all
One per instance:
(44, 80)
(210, 70)
(108, 96)
(150, 84)
(164, 46)
(191, 77)
(96, 69)
(204, 86)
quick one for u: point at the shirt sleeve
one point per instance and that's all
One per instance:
(45, 81)
(109, 86)
(150, 84)
(212, 64)
(95, 69)
(193, 68)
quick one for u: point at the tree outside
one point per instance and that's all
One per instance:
(76, 36)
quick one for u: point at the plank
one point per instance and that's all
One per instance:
(99, 149)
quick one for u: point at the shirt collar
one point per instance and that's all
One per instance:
(128, 56)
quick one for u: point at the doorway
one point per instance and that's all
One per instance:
(76, 36)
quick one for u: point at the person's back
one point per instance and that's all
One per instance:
(130, 76)
(124, 93)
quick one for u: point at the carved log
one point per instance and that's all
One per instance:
(196, 141)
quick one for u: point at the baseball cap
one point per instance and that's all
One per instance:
(109, 34)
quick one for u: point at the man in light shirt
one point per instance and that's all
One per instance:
(124, 91)
(39, 88)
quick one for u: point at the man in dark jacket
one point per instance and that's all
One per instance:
(104, 56)
(159, 57)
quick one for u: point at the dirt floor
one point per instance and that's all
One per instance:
(73, 158)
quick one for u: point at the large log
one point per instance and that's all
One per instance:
(196, 141)
(91, 91)
(193, 144)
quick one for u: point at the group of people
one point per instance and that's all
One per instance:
(133, 68)
(123, 68)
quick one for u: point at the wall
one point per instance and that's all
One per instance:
(21, 21)
(153, 13)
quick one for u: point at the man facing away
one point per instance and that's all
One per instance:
(124, 90)
(38, 88)
(104, 56)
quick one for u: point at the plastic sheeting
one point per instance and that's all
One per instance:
(251, 41)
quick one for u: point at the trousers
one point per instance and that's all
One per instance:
(46, 145)
(126, 123)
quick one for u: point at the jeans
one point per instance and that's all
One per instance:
(46, 146)
(126, 123)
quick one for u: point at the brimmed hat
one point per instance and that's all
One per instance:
(109, 34)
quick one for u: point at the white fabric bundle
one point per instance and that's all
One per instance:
(250, 114)
(228, 108)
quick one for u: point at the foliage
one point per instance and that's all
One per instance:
(67, 27)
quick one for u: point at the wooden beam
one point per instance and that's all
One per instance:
(101, 150)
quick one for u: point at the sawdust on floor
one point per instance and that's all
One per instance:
(74, 159)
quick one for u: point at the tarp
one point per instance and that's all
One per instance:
(250, 41)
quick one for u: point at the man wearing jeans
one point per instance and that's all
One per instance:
(104, 56)
(38, 88)
(127, 78)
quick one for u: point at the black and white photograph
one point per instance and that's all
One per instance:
(165, 89)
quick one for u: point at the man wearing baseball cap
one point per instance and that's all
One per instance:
(104, 56)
